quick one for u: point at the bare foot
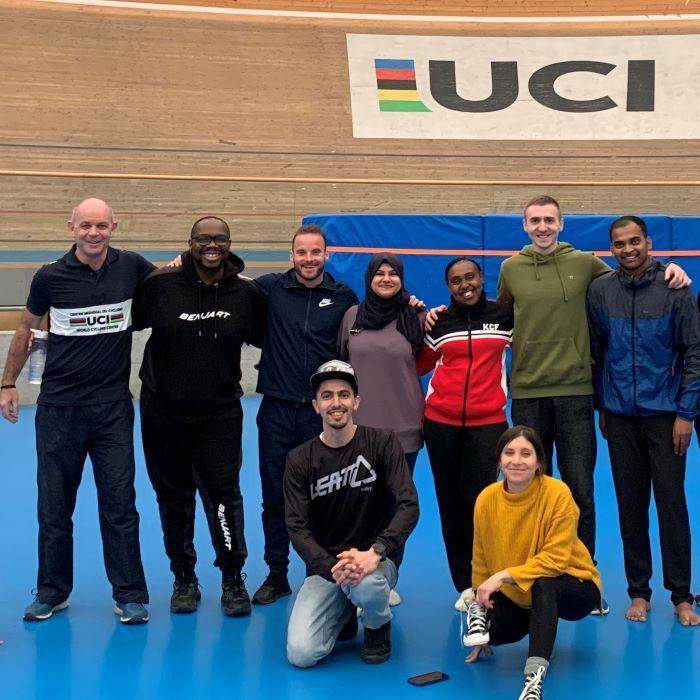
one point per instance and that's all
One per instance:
(638, 609)
(686, 615)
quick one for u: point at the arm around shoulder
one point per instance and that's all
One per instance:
(344, 333)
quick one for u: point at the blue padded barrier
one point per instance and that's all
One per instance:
(424, 273)
(448, 234)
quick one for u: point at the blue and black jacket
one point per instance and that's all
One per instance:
(645, 343)
(302, 329)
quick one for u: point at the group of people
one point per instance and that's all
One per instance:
(336, 470)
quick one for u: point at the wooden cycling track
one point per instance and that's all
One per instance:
(95, 90)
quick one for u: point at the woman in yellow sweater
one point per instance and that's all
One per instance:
(529, 568)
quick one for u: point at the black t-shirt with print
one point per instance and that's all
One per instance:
(350, 496)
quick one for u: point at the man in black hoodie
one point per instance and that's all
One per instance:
(191, 418)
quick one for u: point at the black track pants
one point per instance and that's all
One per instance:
(65, 436)
(463, 461)
(282, 426)
(642, 458)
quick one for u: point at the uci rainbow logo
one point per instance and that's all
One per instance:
(396, 86)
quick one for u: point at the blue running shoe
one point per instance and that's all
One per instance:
(131, 613)
(37, 611)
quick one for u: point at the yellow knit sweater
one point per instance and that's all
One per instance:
(531, 534)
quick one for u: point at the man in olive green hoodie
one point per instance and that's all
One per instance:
(551, 379)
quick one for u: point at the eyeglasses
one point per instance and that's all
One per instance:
(206, 240)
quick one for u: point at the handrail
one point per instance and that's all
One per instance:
(350, 181)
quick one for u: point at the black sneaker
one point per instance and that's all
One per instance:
(349, 630)
(376, 648)
(477, 626)
(234, 596)
(186, 595)
(274, 587)
(532, 690)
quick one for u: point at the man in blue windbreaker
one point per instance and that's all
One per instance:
(645, 342)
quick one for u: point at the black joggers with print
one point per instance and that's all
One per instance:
(65, 436)
(190, 453)
(464, 463)
(642, 457)
(282, 426)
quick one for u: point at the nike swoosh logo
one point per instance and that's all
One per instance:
(325, 302)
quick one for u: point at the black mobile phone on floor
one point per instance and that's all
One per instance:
(428, 678)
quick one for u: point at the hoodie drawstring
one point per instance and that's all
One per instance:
(200, 311)
(538, 277)
(199, 307)
(561, 279)
(216, 306)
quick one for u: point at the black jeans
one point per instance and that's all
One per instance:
(463, 462)
(568, 423)
(642, 457)
(65, 436)
(185, 454)
(562, 597)
(282, 426)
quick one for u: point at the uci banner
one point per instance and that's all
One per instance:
(523, 88)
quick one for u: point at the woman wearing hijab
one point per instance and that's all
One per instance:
(381, 338)
(465, 408)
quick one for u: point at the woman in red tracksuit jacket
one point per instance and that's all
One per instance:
(465, 407)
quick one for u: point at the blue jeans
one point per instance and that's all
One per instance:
(322, 608)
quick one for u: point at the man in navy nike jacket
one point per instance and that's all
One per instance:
(305, 306)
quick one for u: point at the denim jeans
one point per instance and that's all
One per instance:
(323, 607)
(568, 423)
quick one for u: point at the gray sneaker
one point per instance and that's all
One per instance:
(37, 611)
(131, 613)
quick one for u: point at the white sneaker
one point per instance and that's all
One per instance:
(532, 690)
(394, 598)
(477, 627)
(465, 597)
(602, 609)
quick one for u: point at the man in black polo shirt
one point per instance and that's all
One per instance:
(84, 408)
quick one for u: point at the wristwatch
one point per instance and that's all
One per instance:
(380, 549)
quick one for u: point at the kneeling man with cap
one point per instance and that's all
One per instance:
(350, 504)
